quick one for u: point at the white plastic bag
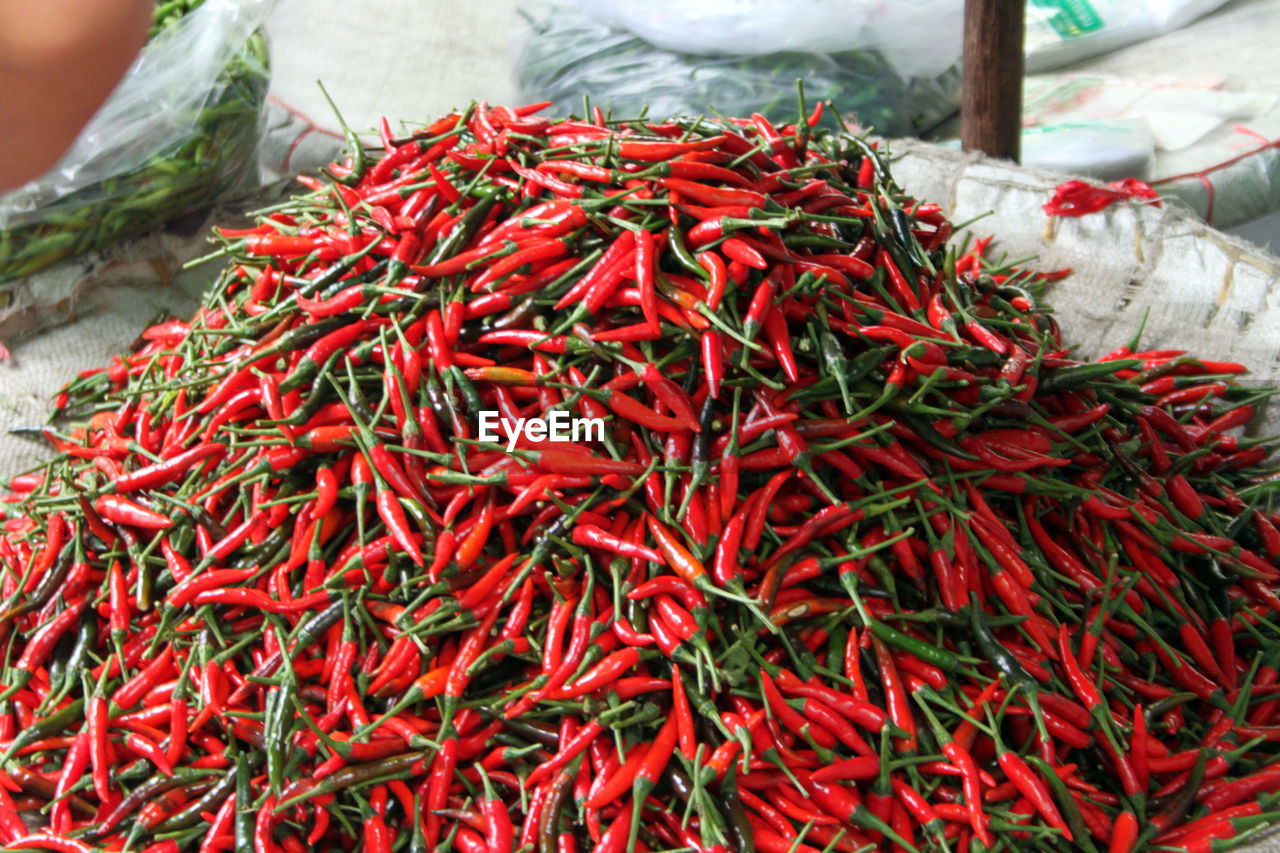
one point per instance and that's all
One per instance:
(178, 131)
(1103, 149)
(918, 37)
(1060, 32)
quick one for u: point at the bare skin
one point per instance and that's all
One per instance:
(59, 59)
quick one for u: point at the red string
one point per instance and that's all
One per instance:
(311, 127)
(1262, 144)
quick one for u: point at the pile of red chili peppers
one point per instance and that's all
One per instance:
(865, 559)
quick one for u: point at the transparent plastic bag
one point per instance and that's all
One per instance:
(1060, 32)
(178, 133)
(565, 54)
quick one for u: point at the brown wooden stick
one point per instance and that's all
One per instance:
(991, 106)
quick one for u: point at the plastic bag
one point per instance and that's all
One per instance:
(179, 132)
(1105, 149)
(1060, 32)
(755, 27)
(567, 54)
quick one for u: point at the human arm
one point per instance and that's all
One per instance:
(59, 59)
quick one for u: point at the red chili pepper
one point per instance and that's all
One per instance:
(671, 396)
(1081, 685)
(531, 252)
(49, 841)
(717, 196)
(161, 473)
(605, 271)
(150, 751)
(676, 555)
(72, 770)
(791, 718)
(654, 151)
(589, 535)
(96, 723)
(121, 510)
(775, 327)
(606, 672)
(41, 644)
(392, 514)
(1034, 789)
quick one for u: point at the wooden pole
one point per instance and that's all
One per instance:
(991, 106)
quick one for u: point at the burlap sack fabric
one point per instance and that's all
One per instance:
(1197, 288)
